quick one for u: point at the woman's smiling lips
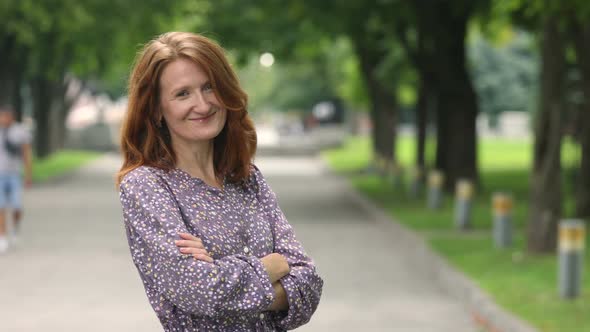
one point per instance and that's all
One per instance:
(203, 118)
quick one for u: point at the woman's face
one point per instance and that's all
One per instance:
(190, 108)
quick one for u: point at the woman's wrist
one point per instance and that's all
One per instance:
(280, 303)
(276, 266)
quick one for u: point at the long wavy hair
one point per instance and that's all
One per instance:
(146, 141)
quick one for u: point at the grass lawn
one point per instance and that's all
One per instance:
(521, 283)
(60, 163)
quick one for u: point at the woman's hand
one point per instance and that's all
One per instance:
(281, 302)
(276, 266)
(192, 245)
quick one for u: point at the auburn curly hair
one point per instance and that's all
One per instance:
(145, 142)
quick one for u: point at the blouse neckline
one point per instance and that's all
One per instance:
(191, 178)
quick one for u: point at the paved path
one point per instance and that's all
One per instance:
(74, 271)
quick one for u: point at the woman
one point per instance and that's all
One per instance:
(212, 247)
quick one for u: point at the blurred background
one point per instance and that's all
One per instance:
(382, 92)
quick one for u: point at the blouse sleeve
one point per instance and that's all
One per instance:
(232, 285)
(303, 285)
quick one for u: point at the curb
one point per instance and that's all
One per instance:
(484, 311)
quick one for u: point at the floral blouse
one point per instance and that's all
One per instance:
(238, 225)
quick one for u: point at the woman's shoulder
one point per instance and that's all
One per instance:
(143, 175)
(256, 180)
(255, 174)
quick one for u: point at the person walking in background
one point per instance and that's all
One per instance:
(209, 240)
(15, 152)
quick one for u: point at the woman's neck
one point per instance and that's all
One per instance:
(197, 160)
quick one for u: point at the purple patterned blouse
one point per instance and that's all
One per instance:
(238, 225)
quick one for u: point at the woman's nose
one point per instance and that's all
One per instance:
(199, 101)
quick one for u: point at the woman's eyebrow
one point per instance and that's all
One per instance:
(187, 86)
(178, 88)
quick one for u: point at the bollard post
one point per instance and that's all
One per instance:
(397, 174)
(373, 167)
(502, 212)
(416, 182)
(380, 164)
(572, 238)
(435, 182)
(464, 195)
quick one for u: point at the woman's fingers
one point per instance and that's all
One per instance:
(191, 251)
(189, 241)
(187, 236)
(192, 245)
(202, 257)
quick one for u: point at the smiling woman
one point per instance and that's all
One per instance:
(211, 244)
(158, 86)
(189, 107)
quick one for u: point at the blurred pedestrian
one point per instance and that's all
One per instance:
(212, 247)
(15, 162)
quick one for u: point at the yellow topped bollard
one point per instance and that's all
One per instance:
(397, 175)
(464, 189)
(571, 243)
(416, 182)
(502, 212)
(435, 182)
(464, 195)
(381, 165)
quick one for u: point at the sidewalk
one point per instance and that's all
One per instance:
(74, 272)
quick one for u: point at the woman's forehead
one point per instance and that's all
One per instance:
(182, 71)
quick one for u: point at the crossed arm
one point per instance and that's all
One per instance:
(276, 266)
(284, 282)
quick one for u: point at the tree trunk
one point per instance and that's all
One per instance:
(422, 56)
(583, 183)
(421, 120)
(17, 100)
(546, 194)
(457, 109)
(384, 126)
(7, 44)
(41, 91)
(581, 35)
(6, 87)
(383, 103)
(425, 108)
(48, 96)
(62, 106)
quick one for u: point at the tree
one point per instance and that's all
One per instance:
(437, 50)
(545, 189)
(293, 30)
(365, 25)
(580, 31)
(45, 43)
(559, 23)
(504, 73)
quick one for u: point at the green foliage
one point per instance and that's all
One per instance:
(313, 60)
(284, 86)
(505, 77)
(60, 163)
(90, 39)
(344, 73)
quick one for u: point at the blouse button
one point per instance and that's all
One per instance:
(261, 316)
(246, 250)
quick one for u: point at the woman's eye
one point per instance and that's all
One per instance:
(182, 93)
(207, 87)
